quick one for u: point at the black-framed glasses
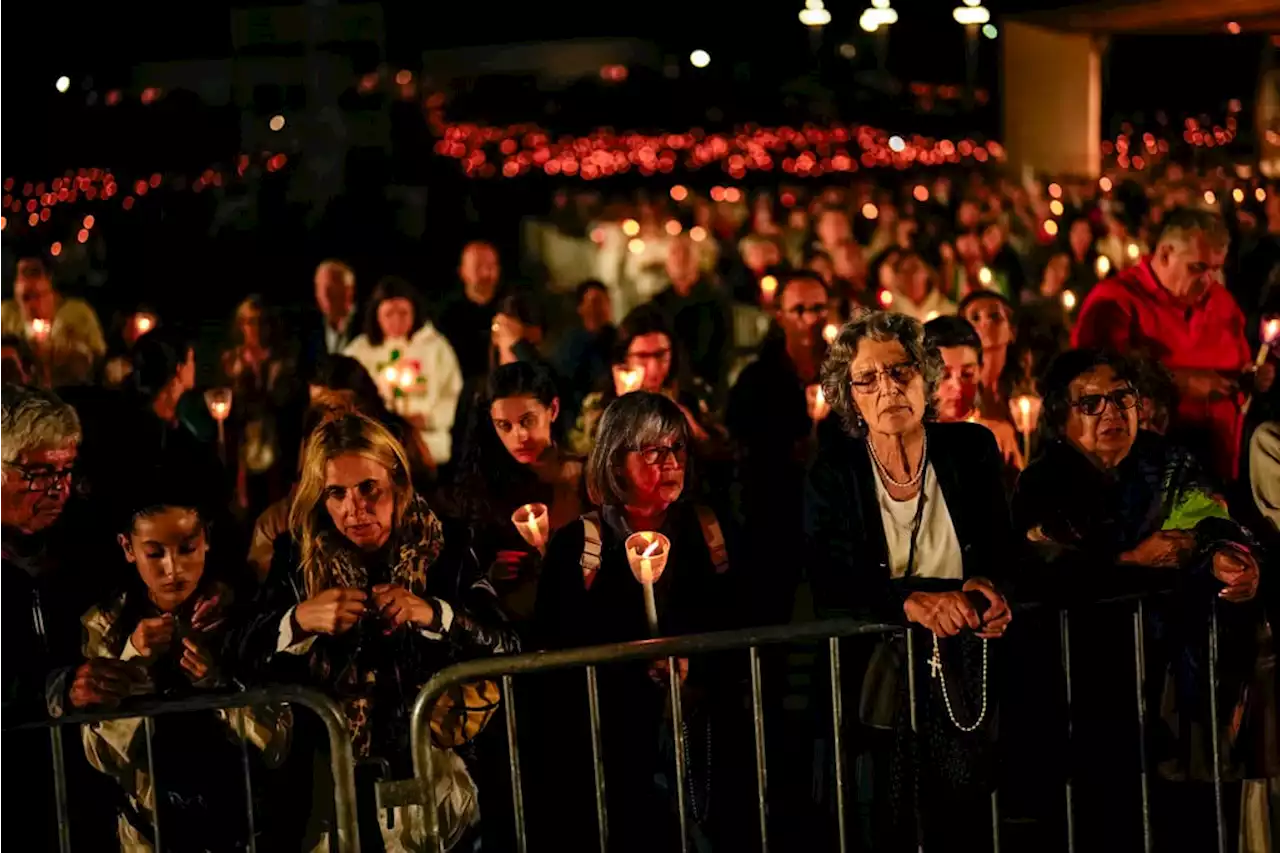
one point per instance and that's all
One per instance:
(1095, 404)
(659, 454)
(42, 478)
(900, 374)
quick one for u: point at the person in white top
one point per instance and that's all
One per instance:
(915, 289)
(414, 365)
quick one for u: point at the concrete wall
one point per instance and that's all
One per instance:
(1052, 85)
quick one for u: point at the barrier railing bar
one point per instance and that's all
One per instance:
(1213, 723)
(149, 731)
(995, 821)
(682, 760)
(762, 768)
(918, 811)
(60, 790)
(1140, 687)
(248, 783)
(335, 722)
(1064, 639)
(837, 738)
(597, 756)
(513, 747)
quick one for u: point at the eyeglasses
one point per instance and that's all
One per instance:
(42, 479)
(899, 374)
(1095, 404)
(659, 454)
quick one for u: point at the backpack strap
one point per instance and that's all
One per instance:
(591, 547)
(714, 536)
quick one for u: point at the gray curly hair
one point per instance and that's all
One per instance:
(33, 417)
(877, 326)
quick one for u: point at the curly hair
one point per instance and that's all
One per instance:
(880, 326)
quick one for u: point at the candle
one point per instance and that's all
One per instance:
(817, 401)
(768, 287)
(647, 554)
(626, 380)
(219, 402)
(143, 323)
(1026, 411)
(1269, 333)
(1069, 300)
(985, 277)
(40, 329)
(532, 522)
(830, 332)
(1102, 266)
(1133, 251)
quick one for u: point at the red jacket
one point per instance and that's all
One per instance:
(1133, 313)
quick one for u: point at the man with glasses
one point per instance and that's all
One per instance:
(769, 419)
(45, 673)
(1172, 307)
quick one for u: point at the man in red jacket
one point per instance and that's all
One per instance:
(1172, 308)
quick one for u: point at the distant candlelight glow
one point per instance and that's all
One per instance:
(830, 332)
(1132, 251)
(1102, 266)
(769, 286)
(1069, 300)
(630, 227)
(635, 245)
(1050, 227)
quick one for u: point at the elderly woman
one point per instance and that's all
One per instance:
(588, 594)
(371, 600)
(1106, 496)
(903, 518)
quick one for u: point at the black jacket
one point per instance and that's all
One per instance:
(845, 540)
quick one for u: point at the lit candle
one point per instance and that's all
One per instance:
(626, 380)
(1133, 251)
(40, 329)
(768, 287)
(830, 332)
(1270, 332)
(143, 323)
(985, 277)
(647, 554)
(817, 401)
(1069, 300)
(1026, 411)
(532, 524)
(1102, 266)
(219, 402)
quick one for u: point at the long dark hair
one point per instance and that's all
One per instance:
(157, 358)
(647, 319)
(392, 287)
(488, 471)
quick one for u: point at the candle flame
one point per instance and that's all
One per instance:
(653, 546)
(391, 375)
(769, 286)
(40, 328)
(984, 276)
(143, 323)
(830, 332)
(1271, 330)
(1133, 251)
(820, 397)
(1102, 266)
(1024, 404)
(1068, 300)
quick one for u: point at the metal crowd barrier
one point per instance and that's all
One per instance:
(335, 723)
(588, 658)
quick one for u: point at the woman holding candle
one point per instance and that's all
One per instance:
(1113, 501)
(646, 358)
(514, 458)
(414, 365)
(992, 316)
(588, 593)
(904, 518)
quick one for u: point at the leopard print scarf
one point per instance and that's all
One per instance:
(416, 544)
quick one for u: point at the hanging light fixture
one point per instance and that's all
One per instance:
(814, 14)
(877, 16)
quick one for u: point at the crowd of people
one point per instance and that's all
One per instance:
(919, 406)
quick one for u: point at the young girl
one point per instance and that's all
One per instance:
(167, 620)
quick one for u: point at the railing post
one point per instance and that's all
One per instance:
(248, 782)
(149, 730)
(1213, 723)
(597, 755)
(1140, 682)
(60, 789)
(513, 747)
(1064, 639)
(837, 740)
(682, 767)
(757, 714)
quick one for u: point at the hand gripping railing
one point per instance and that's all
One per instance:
(752, 639)
(335, 723)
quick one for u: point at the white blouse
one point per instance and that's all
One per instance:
(937, 546)
(429, 354)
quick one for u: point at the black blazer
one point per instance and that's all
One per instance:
(848, 555)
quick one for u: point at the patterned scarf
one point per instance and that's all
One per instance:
(353, 665)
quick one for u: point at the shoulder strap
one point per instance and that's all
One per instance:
(714, 537)
(591, 547)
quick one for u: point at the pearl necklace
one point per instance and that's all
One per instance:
(935, 664)
(884, 471)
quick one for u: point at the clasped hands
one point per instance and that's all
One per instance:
(336, 611)
(948, 613)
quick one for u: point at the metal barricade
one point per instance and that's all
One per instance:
(335, 723)
(832, 631)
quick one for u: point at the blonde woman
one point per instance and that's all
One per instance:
(369, 600)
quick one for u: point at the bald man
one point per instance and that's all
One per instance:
(466, 318)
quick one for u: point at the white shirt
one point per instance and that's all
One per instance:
(335, 339)
(436, 400)
(937, 546)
